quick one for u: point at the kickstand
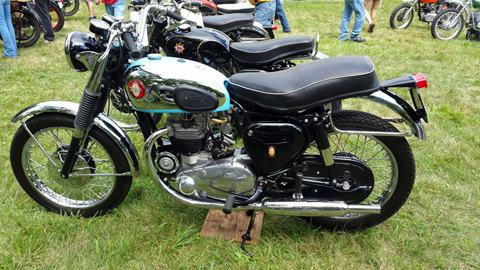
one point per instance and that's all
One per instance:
(246, 236)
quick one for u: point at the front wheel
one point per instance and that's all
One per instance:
(401, 16)
(448, 24)
(70, 7)
(57, 17)
(389, 158)
(95, 186)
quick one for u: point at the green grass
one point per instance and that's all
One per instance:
(437, 228)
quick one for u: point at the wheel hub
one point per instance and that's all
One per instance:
(83, 165)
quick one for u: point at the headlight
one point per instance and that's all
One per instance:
(78, 42)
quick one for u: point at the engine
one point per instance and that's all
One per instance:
(203, 163)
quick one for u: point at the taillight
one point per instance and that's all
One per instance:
(421, 80)
(274, 26)
(136, 88)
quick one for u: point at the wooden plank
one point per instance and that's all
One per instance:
(232, 226)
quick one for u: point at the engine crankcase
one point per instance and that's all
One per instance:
(217, 178)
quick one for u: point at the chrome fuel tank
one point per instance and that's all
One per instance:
(150, 83)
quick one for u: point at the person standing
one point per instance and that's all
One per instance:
(42, 8)
(371, 5)
(351, 6)
(116, 8)
(6, 30)
(282, 16)
(90, 9)
(264, 11)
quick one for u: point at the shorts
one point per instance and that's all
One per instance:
(369, 4)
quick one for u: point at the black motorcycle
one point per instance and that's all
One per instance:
(255, 141)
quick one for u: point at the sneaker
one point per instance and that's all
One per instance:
(370, 28)
(48, 40)
(91, 18)
(359, 39)
(286, 32)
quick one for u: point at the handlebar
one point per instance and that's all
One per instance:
(131, 45)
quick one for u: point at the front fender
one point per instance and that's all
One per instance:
(102, 121)
(402, 108)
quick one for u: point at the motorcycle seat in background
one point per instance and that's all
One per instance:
(236, 8)
(267, 52)
(307, 85)
(228, 22)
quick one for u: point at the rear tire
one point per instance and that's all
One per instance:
(390, 159)
(27, 28)
(38, 172)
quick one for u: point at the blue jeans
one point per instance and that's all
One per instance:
(6, 30)
(350, 7)
(117, 9)
(264, 12)
(281, 15)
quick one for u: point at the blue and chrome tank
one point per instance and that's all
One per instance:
(162, 84)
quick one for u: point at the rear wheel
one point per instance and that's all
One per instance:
(448, 24)
(27, 28)
(94, 186)
(389, 158)
(401, 16)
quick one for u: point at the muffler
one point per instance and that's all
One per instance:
(315, 208)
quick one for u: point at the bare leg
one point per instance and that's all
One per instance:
(90, 8)
(367, 17)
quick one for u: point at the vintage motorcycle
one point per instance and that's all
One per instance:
(239, 27)
(186, 38)
(449, 23)
(427, 10)
(256, 141)
(27, 23)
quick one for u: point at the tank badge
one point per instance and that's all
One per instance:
(271, 151)
(179, 48)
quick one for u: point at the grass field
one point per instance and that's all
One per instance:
(437, 228)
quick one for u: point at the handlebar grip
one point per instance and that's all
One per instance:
(175, 16)
(132, 47)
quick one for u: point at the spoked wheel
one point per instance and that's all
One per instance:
(27, 28)
(402, 16)
(70, 7)
(94, 186)
(57, 17)
(448, 24)
(390, 159)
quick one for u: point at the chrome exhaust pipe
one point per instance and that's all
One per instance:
(315, 208)
(288, 207)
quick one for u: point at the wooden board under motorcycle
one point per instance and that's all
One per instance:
(346, 169)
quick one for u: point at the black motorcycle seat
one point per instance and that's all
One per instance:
(267, 52)
(236, 8)
(228, 22)
(307, 85)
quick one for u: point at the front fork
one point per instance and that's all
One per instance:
(92, 104)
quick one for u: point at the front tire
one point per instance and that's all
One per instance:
(389, 158)
(401, 16)
(448, 24)
(37, 168)
(57, 17)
